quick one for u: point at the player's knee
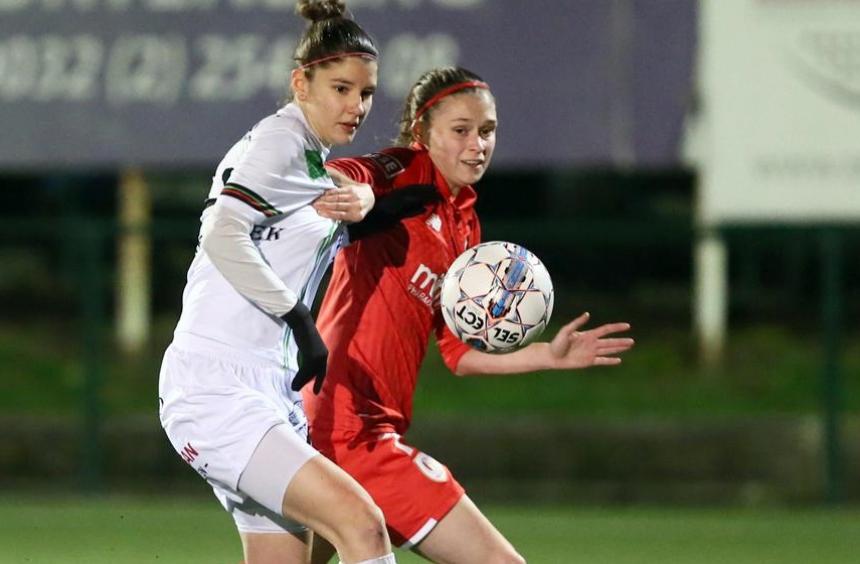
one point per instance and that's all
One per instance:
(363, 524)
(368, 523)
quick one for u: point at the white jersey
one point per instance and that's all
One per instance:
(270, 177)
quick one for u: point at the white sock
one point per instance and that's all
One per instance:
(387, 559)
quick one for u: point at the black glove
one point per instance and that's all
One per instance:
(404, 202)
(313, 352)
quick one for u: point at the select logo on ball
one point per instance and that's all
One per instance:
(497, 296)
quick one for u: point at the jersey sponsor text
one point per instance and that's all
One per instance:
(426, 285)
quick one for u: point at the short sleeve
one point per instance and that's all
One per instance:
(451, 348)
(356, 168)
(272, 172)
(379, 170)
(363, 170)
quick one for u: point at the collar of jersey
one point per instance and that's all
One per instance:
(467, 195)
(292, 110)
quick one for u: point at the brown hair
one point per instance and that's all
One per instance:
(330, 32)
(429, 85)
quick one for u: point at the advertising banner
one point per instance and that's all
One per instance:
(172, 83)
(781, 99)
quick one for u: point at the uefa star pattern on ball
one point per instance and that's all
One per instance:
(497, 296)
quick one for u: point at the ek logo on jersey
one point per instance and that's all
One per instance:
(266, 233)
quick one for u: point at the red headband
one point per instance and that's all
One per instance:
(447, 92)
(370, 56)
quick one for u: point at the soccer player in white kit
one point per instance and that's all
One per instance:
(226, 388)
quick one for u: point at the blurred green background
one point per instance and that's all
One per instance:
(664, 457)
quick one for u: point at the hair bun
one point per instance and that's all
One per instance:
(318, 10)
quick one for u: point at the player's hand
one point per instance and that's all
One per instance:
(404, 202)
(313, 354)
(574, 348)
(348, 201)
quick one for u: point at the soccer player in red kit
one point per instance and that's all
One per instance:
(382, 305)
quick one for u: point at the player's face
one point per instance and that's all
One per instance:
(337, 98)
(462, 136)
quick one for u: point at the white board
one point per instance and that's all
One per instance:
(780, 93)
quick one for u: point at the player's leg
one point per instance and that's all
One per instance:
(286, 473)
(322, 550)
(267, 536)
(204, 407)
(275, 548)
(331, 502)
(211, 410)
(466, 536)
(414, 490)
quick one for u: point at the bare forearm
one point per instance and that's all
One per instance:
(535, 356)
(570, 349)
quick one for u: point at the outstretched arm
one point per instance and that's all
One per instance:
(570, 348)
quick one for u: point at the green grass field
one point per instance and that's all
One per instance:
(194, 530)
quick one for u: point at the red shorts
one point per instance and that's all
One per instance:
(413, 490)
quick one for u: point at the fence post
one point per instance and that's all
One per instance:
(831, 308)
(92, 299)
(133, 270)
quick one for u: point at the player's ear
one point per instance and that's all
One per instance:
(419, 134)
(299, 84)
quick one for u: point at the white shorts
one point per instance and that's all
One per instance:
(215, 410)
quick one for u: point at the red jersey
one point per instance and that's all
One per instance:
(383, 300)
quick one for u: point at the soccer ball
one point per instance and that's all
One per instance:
(497, 296)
